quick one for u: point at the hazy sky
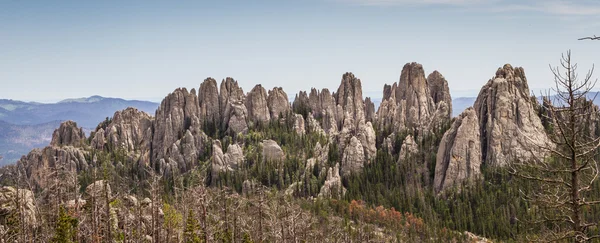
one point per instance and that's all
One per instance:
(51, 50)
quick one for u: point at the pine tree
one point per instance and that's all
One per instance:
(191, 227)
(65, 227)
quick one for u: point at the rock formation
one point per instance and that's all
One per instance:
(9, 204)
(333, 188)
(349, 98)
(369, 110)
(353, 158)
(408, 149)
(509, 126)
(178, 139)
(459, 153)
(278, 103)
(208, 98)
(98, 189)
(438, 87)
(299, 124)
(39, 163)
(129, 129)
(68, 134)
(271, 152)
(413, 89)
(229, 161)
(231, 104)
(256, 102)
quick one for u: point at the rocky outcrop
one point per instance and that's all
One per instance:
(9, 205)
(98, 189)
(278, 103)
(509, 126)
(413, 89)
(237, 121)
(256, 102)
(231, 104)
(129, 129)
(40, 163)
(333, 188)
(369, 110)
(408, 149)
(366, 135)
(229, 161)
(271, 152)
(178, 139)
(68, 134)
(459, 154)
(414, 104)
(313, 125)
(438, 87)
(299, 124)
(349, 98)
(177, 113)
(353, 157)
(301, 104)
(208, 101)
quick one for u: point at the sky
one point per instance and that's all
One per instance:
(53, 50)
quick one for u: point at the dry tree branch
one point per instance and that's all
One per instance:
(590, 38)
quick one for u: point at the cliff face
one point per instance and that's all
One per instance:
(508, 122)
(129, 129)
(178, 139)
(459, 154)
(68, 134)
(411, 103)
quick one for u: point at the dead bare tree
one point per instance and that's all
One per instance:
(560, 183)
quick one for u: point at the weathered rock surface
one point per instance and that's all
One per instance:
(130, 130)
(459, 154)
(509, 126)
(68, 134)
(313, 125)
(369, 110)
(26, 200)
(408, 149)
(229, 161)
(353, 158)
(256, 102)
(299, 124)
(208, 98)
(333, 188)
(278, 103)
(178, 139)
(413, 89)
(271, 151)
(177, 113)
(237, 121)
(39, 163)
(349, 98)
(231, 104)
(98, 189)
(366, 135)
(438, 87)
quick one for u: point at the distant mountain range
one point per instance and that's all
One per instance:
(85, 111)
(28, 125)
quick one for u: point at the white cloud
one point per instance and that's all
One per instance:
(411, 2)
(553, 7)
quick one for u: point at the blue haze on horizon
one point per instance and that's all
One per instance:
(145, 49)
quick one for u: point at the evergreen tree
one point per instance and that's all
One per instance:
(191, 227)
(65, 227)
